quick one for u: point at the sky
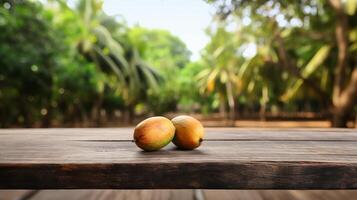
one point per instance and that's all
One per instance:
(185, 19)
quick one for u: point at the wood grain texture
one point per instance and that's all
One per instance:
(280, 195)
(114, 194)
(181, 195)
(230, 158)
(17, 194)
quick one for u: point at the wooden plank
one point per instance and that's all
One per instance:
(229, 158)
(234, 175)
(308, 195)
(211, 133)
(114, 194)
(280, 195)
(17, 194)
(181, 194)
(235, 195)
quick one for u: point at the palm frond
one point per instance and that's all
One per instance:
(315, 62)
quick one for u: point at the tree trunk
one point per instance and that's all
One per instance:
(27, 123)
(96, 115)
(345, 103)
(231, 103)
(339, 118)
(222, 106)
(129, 115)
(262, 112)
(263, 103)
(46, 122)
(343, 98)
(47, 118)
(232, 115)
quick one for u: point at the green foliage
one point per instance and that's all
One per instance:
(62, 65)
(315, 62)
(28, 49)
(65, 64)
(293, 39)
(160, 48)
(134, 75)
(167, 54)
(221, 76)
(190, 99)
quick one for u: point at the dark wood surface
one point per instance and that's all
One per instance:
(230, 158)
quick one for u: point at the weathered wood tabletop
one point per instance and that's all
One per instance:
(230, 158)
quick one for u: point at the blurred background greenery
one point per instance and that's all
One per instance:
(64, 65)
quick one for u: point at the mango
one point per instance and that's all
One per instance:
(189, 132)
(154, 133)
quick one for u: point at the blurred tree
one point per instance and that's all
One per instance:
(160, 48)
(104, 42)
(28, 48)
(43, 72)
(190, 98)
(167, 54)
(220, 76)
(301, 35)
(68, 65)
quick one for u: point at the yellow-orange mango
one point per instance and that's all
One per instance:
(154, 133)
(189, 132)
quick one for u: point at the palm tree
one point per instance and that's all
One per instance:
(221, 73)
(102, 42)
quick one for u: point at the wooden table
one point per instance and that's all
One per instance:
(230, 158)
